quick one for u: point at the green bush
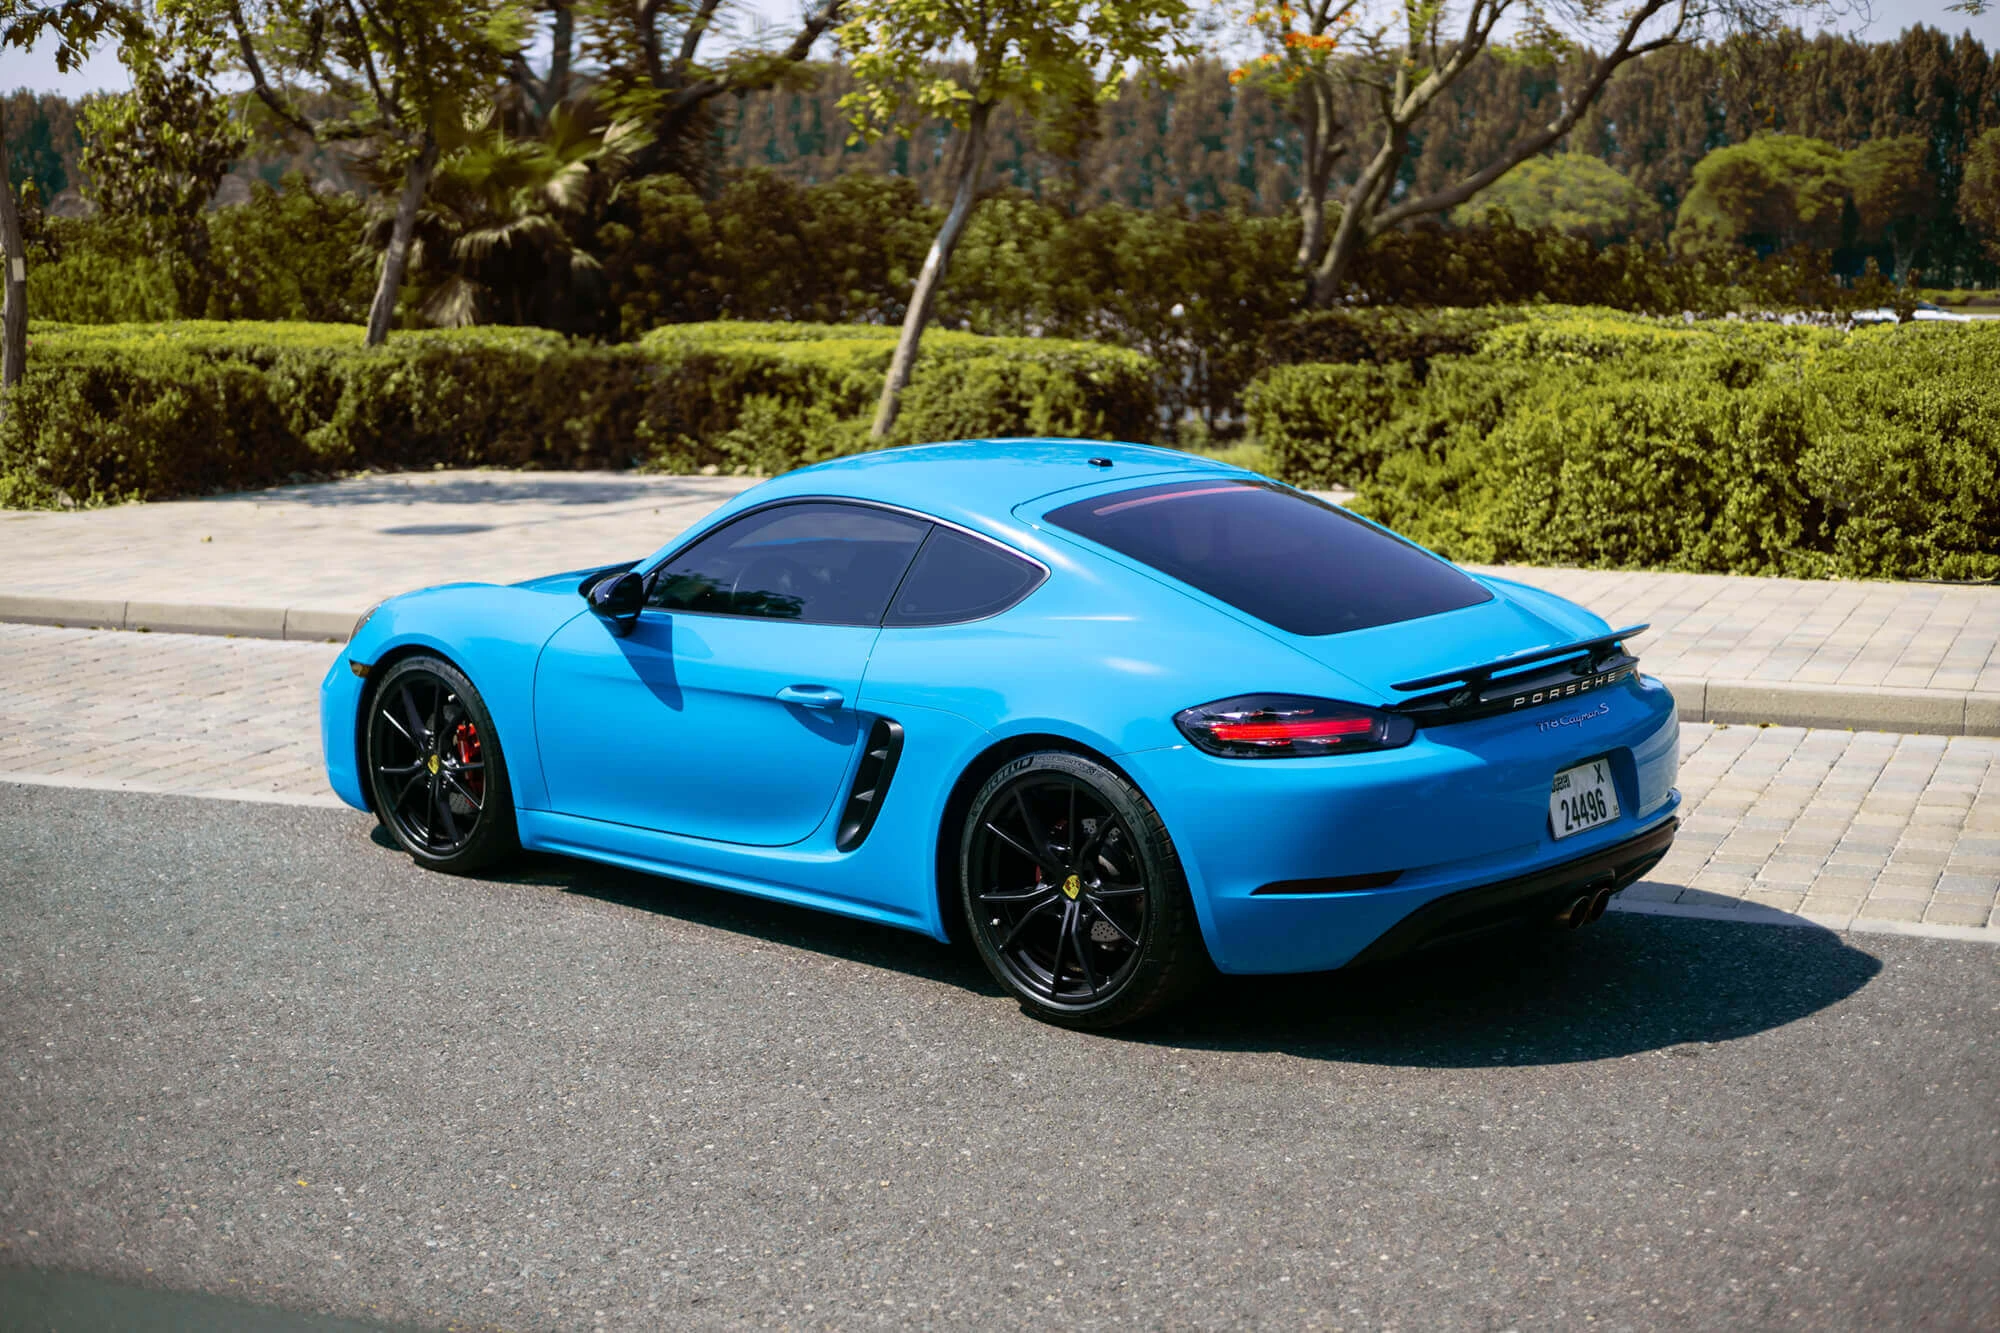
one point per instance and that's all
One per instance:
(97, 271)
(1584, 438)
(114, 412)
(1327, 426)
(291, 253)
(1382, 335)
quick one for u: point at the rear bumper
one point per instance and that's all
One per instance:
(1535, 897)
(1363, 842)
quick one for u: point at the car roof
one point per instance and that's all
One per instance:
(978, 483)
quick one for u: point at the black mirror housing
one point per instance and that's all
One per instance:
(618, 599)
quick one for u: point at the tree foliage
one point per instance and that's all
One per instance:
(1571, 192)
(651, 67)
(402, 70)
(1772, 193)
(1402, 58)
(1026, 55)
(1895, 194)
(157, 153)
(1979, 194)
(503, 237)
(1196, 141)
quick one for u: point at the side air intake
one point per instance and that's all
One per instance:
(871, 784)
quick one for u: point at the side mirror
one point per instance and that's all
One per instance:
(618, 599)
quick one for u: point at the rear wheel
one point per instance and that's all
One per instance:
(435, 768)
(1075, 895)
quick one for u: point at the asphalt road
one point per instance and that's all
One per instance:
(250, 1050)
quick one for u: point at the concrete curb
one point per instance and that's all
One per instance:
(1772, 703)
(1752, 914)
(1845, 707)
(249, 622)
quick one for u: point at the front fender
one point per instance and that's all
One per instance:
(493, 634)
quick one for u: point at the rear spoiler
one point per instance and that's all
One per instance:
(1585, 666)
(1479, 675)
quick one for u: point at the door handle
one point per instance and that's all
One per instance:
(810, 696)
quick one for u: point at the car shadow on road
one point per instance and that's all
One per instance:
(775, 922)
(1626, 985)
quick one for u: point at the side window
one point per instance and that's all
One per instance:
(819, 562)
(958, 578)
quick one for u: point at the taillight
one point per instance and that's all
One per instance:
(1291, 726)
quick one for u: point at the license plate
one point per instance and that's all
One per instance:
(1582, 797)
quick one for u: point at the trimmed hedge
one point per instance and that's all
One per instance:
(117, 412)
(1381, 335)
(1580, 438)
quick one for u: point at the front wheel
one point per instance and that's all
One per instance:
(1075, 895)
(435, 768)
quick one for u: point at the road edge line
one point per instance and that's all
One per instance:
(317, 802)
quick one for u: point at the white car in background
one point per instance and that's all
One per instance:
(1925, 310)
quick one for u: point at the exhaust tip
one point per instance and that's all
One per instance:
(1575, 914)
(1598, 904)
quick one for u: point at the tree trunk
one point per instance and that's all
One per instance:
(1903, 249)
(1312, 226)
(14, 341)
(1318, 129)
(1357, 216)
(415, 184)
(971, 161)
(1312, 194)
(562, 39)
(1348, 239)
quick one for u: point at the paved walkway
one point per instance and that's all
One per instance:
(301, 562)
(1854, 830)
(327, 552)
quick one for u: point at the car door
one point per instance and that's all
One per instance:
(729, 710)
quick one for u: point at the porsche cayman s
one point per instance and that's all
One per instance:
(1119, 714)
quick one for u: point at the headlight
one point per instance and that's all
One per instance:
(1291, 726)
(366, 616)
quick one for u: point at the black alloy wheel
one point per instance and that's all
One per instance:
(1075, 895)
(435, 769)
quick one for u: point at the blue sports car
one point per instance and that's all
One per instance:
(1119, 714)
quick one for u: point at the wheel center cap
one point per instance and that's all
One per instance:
(1072, 886)
(434, 768)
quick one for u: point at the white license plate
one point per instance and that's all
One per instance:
(1582, 797)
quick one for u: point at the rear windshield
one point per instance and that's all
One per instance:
(1291, 561)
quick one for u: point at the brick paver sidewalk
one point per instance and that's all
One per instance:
(1850, 829)
(302, 561)
(1803, 631)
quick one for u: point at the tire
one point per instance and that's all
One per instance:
(1074, 894)
(435, 769)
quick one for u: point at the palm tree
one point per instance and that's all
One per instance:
(503, 234)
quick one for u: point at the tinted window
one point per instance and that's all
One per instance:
(1289, 560)
(831, 564)
(957, 577)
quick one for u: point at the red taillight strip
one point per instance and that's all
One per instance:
(1317, 729)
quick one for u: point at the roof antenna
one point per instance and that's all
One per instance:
(1099, 462)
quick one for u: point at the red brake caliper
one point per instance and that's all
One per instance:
(466, 740)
